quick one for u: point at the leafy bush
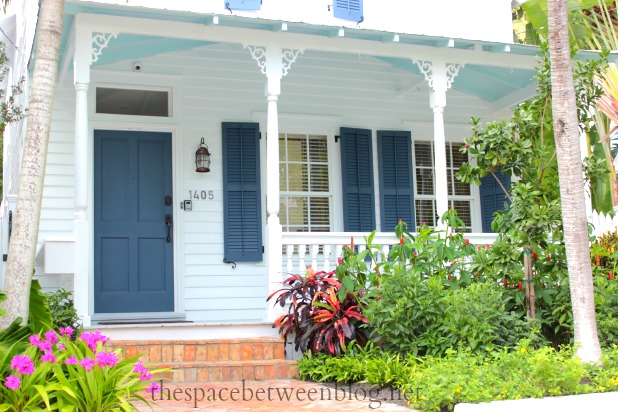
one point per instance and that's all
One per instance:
(63, 312)
(56, 373)
(432, 296)
(319, 319)
(439, 383)
(422, 317)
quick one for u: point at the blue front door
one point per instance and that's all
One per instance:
(133, 226)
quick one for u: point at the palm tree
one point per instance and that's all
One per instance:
(22, 248)
(575, 223)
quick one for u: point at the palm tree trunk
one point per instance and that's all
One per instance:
(566, 131)
(22, 247)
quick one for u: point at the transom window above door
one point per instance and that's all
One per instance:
(136, 102)
(306, 196)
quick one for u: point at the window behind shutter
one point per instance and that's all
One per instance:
(241, 192)
(492, 197)
(357, 178)
(243, 4)
(396, 187)
(349, 9)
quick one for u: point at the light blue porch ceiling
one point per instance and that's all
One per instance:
(131, 46)
(484, 81)
(488, 83)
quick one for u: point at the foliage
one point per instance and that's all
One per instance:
(56, 373)
(62, 310)
(317, 317)
(39, 319)
(438, 383)
(432, 299)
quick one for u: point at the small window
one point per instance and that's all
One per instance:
(306, 195)
(132, 102)
(459, 194)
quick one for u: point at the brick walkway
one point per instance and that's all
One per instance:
(279, 395)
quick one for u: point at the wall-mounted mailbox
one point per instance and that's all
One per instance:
(186, 205)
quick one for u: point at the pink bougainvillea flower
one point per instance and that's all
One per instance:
(48, 357)
(154, 387)
(68, 332)
(87, 364)
(106, 359)
(45, 346)
(23, 364)
(35, 340)
(60, 346)
(12, 382)
(51, 337)
(71, 361)
(93, 338)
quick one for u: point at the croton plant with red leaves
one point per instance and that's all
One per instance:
(318, 319)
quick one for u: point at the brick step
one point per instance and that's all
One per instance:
(217, 371)
(166, 351)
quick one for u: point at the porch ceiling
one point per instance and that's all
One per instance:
(488, 82)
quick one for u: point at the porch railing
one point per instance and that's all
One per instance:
(321, 250)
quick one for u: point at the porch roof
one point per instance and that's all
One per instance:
(493, 83)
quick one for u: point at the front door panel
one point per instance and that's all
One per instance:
(133, 242)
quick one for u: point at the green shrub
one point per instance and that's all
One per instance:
(62, 310)
(439, 383)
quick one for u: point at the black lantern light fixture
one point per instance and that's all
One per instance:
(202, 158)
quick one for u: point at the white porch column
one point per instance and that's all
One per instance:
(275, 63)
(439, 75)
(88, 48)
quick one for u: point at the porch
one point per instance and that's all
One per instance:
(305, 84)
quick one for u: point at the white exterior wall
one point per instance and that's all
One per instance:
(221, 82)
(488, 20)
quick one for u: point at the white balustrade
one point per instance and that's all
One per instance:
(603, 223)
(316, 249)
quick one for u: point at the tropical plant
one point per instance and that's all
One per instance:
(574, 219)
(318, 319)
(56, 373)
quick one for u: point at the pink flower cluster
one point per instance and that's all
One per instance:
(24, 365)
(93, 338)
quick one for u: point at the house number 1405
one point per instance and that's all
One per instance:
(201, 195)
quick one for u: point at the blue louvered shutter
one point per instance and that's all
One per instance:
(349, 9)
(357, 178)
(241, 192)
(243, 4)
(396, 187)
(492, 197)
